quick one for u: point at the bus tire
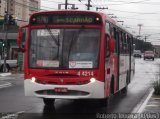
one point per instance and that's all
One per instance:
(48, 102)
(124, 91)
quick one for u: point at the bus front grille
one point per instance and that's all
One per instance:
(68, 93)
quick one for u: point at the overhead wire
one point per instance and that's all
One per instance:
(123, 2)
(137, 2)
(94, 5)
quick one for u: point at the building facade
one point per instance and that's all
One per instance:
(21, 10)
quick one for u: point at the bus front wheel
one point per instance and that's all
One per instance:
(48, 101)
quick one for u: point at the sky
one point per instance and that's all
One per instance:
(132, 12)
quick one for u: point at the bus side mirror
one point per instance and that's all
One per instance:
(21, 39)
(111, 45)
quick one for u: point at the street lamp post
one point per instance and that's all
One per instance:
(89, 4)
(6, 36)
(140, 25)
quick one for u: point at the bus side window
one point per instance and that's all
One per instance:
(117, 41)
(106, 46)
(107, 28)
(124, 44)
(127, 45)
(121, 43)
(116, 37)
(131, 45)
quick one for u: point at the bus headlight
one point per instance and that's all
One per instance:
(33, 79)
(92, 80)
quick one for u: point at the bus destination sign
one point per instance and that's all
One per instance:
(74, 19)
(65, 19)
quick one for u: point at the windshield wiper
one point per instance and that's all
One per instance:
(54, 39)
(52, 36)
(74, 39)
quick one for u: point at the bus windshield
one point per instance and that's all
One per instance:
(64, 48)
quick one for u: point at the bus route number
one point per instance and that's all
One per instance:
(86, 73)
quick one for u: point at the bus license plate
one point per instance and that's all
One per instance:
(61, 90)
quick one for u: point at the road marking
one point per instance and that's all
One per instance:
(145, 102)
(10, 115)
(7, 84)
(20, 112)
(152, 105)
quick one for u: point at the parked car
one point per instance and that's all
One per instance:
(137, 53)
(149, 55)
(9, 64)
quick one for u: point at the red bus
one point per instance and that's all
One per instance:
(75, 54)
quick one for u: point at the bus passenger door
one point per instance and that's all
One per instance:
(123, 61)
(131, 59)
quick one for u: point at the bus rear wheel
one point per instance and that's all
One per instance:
(48, 101)
(124, 91)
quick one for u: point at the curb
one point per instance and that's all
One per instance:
(145, 102)
(142, 104)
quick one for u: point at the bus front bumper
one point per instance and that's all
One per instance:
(92, 90)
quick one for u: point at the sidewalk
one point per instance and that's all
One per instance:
(153, 105)
(5, 76)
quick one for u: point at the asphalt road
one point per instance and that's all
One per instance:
(13, 101)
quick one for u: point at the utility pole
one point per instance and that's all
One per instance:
(145, 38)
(140, 25)
(6, 35)
(89, 5)
(66, 3)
